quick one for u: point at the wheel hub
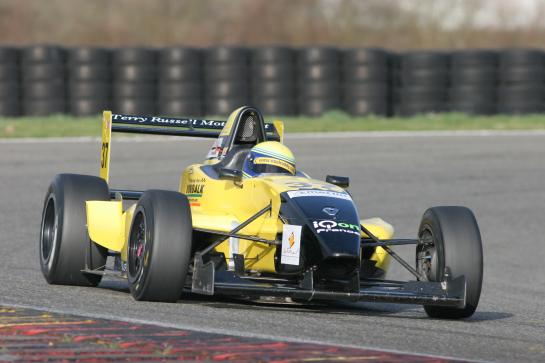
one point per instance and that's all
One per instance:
(49, 231)
(426, 260)
(137, 247)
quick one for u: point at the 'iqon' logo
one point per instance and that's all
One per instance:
(332, 226)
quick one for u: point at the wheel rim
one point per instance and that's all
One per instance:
(48, 238)
(426, 255)
(137, 247)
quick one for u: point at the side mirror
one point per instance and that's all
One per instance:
(340, 181)
(231, 174)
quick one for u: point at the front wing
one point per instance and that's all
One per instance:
(209, 281)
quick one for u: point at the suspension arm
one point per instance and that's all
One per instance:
(233, 233)
(394, 255)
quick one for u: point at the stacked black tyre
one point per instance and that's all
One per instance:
(134, 81)
(366, 81)
(272, 87)
(9, 82)
(522, 81)
(473, 79)
(43, 76)
(89, 81)
(422, 79)
(179, 86)
(318, 81)
(225, 79)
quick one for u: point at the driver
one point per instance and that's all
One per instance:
(269, 157)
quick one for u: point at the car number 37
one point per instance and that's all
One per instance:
(306, 185)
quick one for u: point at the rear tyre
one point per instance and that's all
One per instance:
(65, 248)
(159, 246)
(450, 238)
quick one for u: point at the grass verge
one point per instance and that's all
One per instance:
(62, 125)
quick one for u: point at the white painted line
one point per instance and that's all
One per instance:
(221, 331)
(292, 136)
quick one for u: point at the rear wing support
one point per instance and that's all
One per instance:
(154, 125)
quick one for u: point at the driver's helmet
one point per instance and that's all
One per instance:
(269, 157)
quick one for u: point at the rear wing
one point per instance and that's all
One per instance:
(154, 125)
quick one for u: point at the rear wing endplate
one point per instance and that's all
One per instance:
(154, 125)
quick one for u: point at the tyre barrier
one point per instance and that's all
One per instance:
(521, 88)
(473, 82)
(10, 90)
(366, 81)
(280, 80)
(272, 84)
(318, 80)
(134, 80)
(89, 81)
(179, 90)
(421, 83)
(43, 77)
(225, 79)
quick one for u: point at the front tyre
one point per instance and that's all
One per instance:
(65, 247)
(450, 238)
(159, 246)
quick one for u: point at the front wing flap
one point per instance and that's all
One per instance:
(413, 292)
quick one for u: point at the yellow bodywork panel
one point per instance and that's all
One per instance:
(222, 205)
(105, 148)
(127, 216)
(378, 227)
(279, 126)
(106, 223)
(382, 230)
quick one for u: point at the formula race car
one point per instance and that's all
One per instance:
(248, 223)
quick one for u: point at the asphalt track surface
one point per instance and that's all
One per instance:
(501, 177)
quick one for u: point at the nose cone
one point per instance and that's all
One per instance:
(337, 238)
(334, 222)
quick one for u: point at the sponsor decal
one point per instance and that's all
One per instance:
(318, 193)
(291, 244)
(178, 122)
(169, 121)
(327, 226)
(216, 149)
(194, 190)
(272, 161)
(313, 184)
(330, 211)
(135, 119)
(291, 238)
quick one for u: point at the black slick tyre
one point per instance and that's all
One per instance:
(65, 247)
(159, 246)
(450, 240)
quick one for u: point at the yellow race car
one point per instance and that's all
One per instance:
(246, 222)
